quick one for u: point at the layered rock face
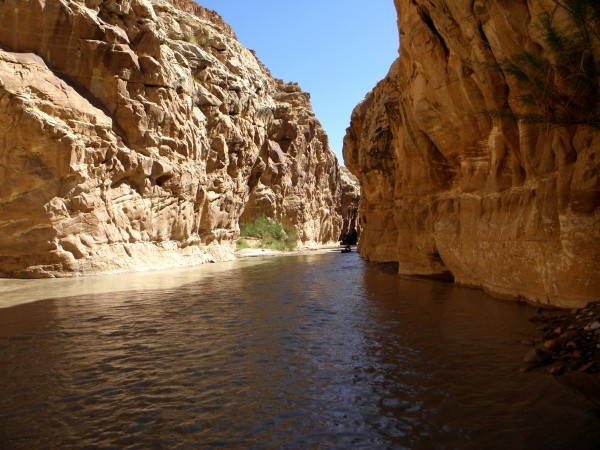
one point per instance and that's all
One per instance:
(297, 179)
(456, 179)
(136, 135)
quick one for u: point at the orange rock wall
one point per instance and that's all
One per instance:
(446, 187)
(135, 135)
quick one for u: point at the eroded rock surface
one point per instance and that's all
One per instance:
(453, 179)
(349, 207)
(135, 134)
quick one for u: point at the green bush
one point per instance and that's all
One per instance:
(272, 234)
(242, 244)
(201, 41)
(562, 81)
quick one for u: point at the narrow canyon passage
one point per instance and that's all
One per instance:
(321, 350)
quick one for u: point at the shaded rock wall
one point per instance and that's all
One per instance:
(135, 135)
(349, 207)
(502, 203)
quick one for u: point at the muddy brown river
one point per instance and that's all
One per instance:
(308, 351)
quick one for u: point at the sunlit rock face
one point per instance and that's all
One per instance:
(296, 178)
(500, 203)
(135, 135)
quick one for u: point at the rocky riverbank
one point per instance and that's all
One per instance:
(569, 347)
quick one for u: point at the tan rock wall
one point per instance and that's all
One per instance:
(447, 186)
(134, 135)
(299, 181)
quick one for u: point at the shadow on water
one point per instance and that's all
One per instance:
(304, 351)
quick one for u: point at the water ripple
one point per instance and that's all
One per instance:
(316, 351)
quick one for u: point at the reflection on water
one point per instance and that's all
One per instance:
(15, 292)
(298, 352)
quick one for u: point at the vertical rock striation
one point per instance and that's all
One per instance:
(459, 174)
(136, 133)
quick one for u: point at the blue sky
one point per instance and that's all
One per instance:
(337, 50)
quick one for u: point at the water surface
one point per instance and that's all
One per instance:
(309, 351)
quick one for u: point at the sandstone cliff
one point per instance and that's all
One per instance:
(460, 174)
(137, 133)
(349, 202)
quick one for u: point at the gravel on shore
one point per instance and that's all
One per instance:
(569, 348)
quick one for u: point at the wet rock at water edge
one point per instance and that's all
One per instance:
(592, 326)
(537, 357)
(571, 347)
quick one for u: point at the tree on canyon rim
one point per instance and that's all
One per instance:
(563, 81)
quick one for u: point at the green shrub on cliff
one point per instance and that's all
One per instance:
(271, 234)
(201, 41)
(563, 80)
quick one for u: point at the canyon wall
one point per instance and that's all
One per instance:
(465, 169)
(137, 133)
(349, 202)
